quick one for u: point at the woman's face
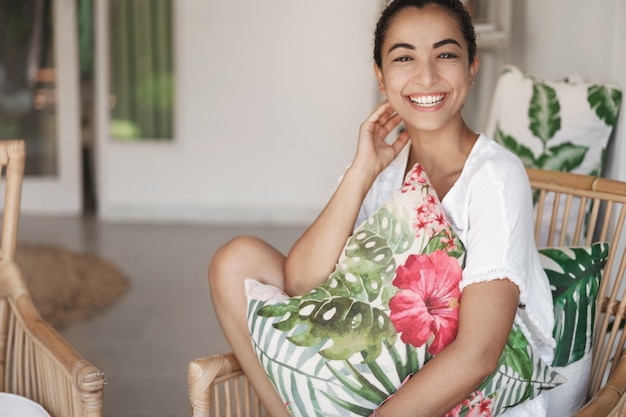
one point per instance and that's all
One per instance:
(425, 71)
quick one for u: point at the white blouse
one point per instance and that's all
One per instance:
(490, 208)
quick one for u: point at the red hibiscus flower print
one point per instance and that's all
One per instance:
(426, 307)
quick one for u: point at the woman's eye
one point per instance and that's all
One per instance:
(402, 59)
(447, 55)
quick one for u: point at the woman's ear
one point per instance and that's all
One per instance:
(473, 69)
(379, 78)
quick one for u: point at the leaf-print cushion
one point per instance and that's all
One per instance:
(554, 125)
(574, 274)
(389, 306)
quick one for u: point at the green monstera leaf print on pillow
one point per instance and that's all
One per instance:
(390, 305)
(574, 274)
(554, 125)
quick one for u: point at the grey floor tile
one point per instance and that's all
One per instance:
(145, 340)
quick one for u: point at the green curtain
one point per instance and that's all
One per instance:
(141, 69)
(85, 37)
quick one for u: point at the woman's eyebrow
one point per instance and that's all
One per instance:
(401, 45)
(445, 42)
(436, 45)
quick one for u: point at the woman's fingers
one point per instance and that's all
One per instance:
(374, 131)
(382, 121)
(400, 141)
(381, 114)
(391, 123)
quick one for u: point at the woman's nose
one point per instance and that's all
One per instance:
(425, 73)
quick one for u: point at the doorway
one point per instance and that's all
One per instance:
(38, 58)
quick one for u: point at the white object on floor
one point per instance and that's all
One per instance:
(12, 405)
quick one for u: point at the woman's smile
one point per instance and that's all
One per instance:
(429, 101)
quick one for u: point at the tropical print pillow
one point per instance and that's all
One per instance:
(574, 274)
(391, 304)
(554, 125)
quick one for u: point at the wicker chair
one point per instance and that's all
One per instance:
(35, 361)
(218, 387)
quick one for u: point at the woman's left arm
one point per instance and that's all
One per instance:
(499, 218)
(486, 316)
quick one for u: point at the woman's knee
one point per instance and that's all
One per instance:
(228, 255)
(246, 257)
(237, 259)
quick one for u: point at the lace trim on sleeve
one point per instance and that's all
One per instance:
(492, 274)
(525, 318)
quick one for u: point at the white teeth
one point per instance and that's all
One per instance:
(427, 101)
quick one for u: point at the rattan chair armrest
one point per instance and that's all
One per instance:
(606, 402)
(202, 373)
(89, 379)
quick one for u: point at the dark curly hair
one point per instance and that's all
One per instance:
(454, 7)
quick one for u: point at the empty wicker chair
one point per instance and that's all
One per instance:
(571, 210)
(35, 361)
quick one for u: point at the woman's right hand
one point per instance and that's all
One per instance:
(373, 152)
(315, 254)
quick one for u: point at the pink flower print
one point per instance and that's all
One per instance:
(477, 406)
(423, 218)
(416, 176)
(429, 217)
(449, 241)
(426, 307)
(423, 210)
(484, 407)
(440, 222)
(422, 223)
(456, 411)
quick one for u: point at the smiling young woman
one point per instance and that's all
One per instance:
(425, 69)
(425, 62)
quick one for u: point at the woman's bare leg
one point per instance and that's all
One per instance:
(241, 258)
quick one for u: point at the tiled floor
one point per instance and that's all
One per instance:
(144, 342)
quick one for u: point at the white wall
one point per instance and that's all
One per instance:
(270, 98)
